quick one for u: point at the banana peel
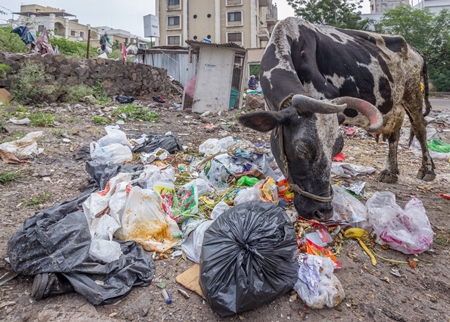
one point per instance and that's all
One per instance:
(358, 233)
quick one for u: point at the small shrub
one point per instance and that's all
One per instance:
(7, 176)
(100, 120)
(99, 94)
(76, 93)
(36, 201)
(133, 111)
(10, 42)
(41, 119)
(29, 83)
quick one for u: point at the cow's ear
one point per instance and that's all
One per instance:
(266, 120)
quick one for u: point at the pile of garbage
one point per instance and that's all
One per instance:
(228, 207)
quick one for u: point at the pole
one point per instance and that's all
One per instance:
(88, 43)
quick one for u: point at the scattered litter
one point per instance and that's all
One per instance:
(24, 148)
(149, 143)
(183, 293)
(7, 277)
(346, 208)
(348, 170)
(166, 295)
(317, 285)
(406, 230)
(158, 99)
(358, 234)
(24, 121)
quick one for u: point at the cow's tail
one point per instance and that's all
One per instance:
(426, 89)
(424, 76)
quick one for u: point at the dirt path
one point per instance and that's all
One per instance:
(372, 293)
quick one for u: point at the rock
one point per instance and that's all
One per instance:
(139, 308)
(254, 102)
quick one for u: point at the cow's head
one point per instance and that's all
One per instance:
(310, 138)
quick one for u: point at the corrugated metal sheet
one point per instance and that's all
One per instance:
(176, 63)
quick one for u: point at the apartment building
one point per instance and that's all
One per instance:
(381, 6)
(244, 22)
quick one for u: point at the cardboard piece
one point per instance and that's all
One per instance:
(8, 157)
(5, 96)
(190, 279)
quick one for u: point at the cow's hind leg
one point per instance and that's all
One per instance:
(418, 126)
(390, 174)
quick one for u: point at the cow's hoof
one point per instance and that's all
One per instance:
(426, 175)
(388, 177)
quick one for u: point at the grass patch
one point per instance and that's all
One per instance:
(135, 112)
(8, 176)
(99, 94)
(76, 93)
(36, 201)
(100, 120)
(41, 119)
(64, 118)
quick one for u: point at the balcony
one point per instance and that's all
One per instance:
(263, 34)
(271, 20)
(263, 3)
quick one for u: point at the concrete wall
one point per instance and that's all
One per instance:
(116, 77)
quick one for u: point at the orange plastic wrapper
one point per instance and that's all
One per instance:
(445, 195)
(314, 249)
(283, 190)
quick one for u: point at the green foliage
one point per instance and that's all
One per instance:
(36, 201)
(7, 176)
(10, 42)
(3, 69)
(99, 94)
(77, 93)
(100, 120)
(255, 70)
(41, 119)
(29, 83)
(337, 13)
(73, 48)
(133, 111)
(429, 33)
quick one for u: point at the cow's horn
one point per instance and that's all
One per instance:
(365, 108)
(307, 104)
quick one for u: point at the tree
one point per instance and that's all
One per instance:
(337, 13)
(429, 33)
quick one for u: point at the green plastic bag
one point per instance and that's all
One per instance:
(247, 181)
(439, 146)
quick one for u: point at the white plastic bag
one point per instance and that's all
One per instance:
(347, 208)
(209, 147)
(219, 169)
(408, 231)
(193, 244)
(25, 147)
(145, 222)
(105, 250)
(219, 209)
(317, 285)
(115, 153)
(347, 170)
(203, 186)
(114, 135)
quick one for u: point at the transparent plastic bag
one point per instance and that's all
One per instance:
(408, 231)
(203, 186)
(193, 244)
(347, 208)
(106, 251)
(114, 135)
(248, 194)
(25, 147)
(317, 285)
(115, 153)
(145, 222)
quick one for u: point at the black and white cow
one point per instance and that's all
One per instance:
(312, 76)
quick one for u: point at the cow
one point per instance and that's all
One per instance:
(317, 77)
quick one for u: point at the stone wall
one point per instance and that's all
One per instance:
(115, 76)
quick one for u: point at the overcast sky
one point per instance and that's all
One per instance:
(126, 15)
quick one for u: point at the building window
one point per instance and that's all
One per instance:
(234, 2)
(234, 37)
(173, 40)
(234, 16)
(73, 33)
(82, 35)
(41, 28)
(173, 2)
(173, 20)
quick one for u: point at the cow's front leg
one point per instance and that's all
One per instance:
(390, 174)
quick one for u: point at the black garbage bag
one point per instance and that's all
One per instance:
(101, 173)
(248, 258)
(167, 142)
(57, 240)
(124, 99)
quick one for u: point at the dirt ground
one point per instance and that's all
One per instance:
(372, 293)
